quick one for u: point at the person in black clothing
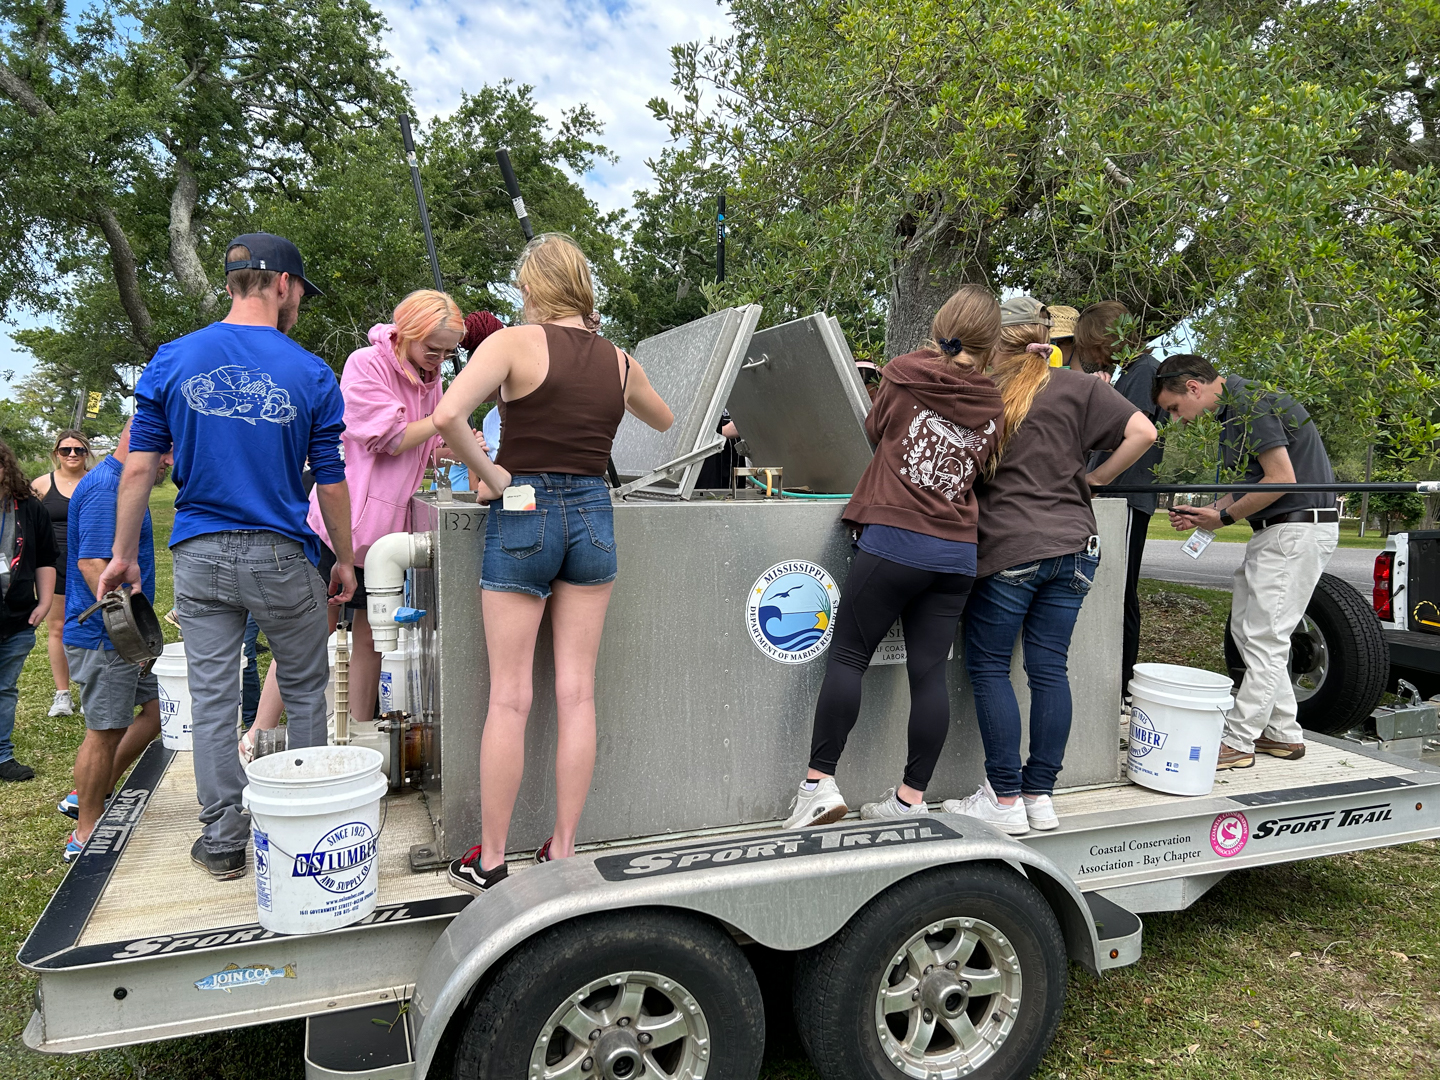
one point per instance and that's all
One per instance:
(1104, 336)
(27, 587)
(72, 457)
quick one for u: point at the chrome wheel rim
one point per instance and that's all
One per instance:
(623, 1026)
(1309, 659)
(948, 999)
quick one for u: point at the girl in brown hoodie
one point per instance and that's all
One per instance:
(934, 424)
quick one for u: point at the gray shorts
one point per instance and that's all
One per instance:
(111, 689)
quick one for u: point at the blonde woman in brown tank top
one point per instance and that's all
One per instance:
(563, 391)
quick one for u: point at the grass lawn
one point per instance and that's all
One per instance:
(1328, 968)
(1239, 533)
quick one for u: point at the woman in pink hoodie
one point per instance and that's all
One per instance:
(390, 389)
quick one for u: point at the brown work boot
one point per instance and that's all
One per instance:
(1290, 751)
(1233, 759)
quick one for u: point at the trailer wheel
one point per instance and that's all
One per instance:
(655, 994)
(957, 971)
(1339, 662)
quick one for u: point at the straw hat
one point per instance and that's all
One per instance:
(1062, 321)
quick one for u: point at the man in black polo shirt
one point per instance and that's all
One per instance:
(1265, 438)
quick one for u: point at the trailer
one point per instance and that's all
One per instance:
(931, 946)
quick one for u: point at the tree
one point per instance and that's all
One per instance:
(124, 129)
(354, 216)
(1197, 161)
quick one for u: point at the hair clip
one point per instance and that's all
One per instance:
(950, 346)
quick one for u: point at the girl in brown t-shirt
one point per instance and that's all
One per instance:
(934, 422)
(1037, 561)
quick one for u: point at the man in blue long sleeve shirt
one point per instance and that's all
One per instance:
(243, 407)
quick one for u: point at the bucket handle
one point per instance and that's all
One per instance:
(384, 817)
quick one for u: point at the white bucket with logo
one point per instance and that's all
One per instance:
(1176, 721)
(171, 672)
(315, 816)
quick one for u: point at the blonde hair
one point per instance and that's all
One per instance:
(971, 317)
(1020, 374)
(554, 274)
(418, 316)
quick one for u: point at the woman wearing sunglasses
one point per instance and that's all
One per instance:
(71, 456)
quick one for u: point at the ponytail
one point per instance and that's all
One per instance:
(1021, 371)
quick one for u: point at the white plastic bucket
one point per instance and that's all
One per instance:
(1176, 721)
(315, 818)
(171, 672)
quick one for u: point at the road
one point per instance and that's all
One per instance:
(1164, 561)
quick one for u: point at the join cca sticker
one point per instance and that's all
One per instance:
(790, 611)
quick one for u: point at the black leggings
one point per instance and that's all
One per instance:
(878, 592)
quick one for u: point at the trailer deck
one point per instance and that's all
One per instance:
(134, 924)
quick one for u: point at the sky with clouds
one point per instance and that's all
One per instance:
(613, 55)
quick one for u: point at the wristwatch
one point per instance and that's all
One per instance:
(1225, 518)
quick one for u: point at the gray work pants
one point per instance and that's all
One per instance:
(218, 578)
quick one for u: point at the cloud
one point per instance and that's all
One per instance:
(613, 55)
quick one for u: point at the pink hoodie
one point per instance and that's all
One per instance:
(380, 400)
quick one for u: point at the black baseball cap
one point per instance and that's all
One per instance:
(271, 252)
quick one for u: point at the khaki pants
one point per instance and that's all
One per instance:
(1272, 590)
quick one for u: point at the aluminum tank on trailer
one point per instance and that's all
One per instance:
(717, 632)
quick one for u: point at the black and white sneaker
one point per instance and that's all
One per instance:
(465, 873)
(819, 807)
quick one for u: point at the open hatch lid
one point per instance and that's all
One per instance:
(799, 402)
(693, 368)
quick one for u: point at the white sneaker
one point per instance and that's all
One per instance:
(984, 805)
(62, 705)
(890, 806)
(819, 807)
(1041, 812)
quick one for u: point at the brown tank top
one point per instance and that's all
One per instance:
(567, 424)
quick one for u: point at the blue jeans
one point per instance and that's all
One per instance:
(250, 677)
(13, 651)
(1043, 599)
(569, 537)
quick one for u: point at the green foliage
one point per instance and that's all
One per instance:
(669, 259)
(355, 220)
(1253, 170)
(139, 138)
(1395, 510)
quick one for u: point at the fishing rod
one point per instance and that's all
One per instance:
(420, 198)
(513, 186)
(1418, 487)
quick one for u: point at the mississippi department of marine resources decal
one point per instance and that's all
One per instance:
(790, 611)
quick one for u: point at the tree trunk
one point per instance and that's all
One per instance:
(184, 259)
(127, 277)
(931, 266)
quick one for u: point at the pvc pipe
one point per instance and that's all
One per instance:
(385, 566)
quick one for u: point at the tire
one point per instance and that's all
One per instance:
(666, 962)
(839, 985)
(1339, 662)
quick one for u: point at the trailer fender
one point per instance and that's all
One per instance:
(785, 890)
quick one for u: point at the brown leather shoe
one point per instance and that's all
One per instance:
(1290, 751)
(1234, 759)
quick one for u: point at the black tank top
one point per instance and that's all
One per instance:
(567, 424)
(59, 507)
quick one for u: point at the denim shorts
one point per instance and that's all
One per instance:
(569, 537)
